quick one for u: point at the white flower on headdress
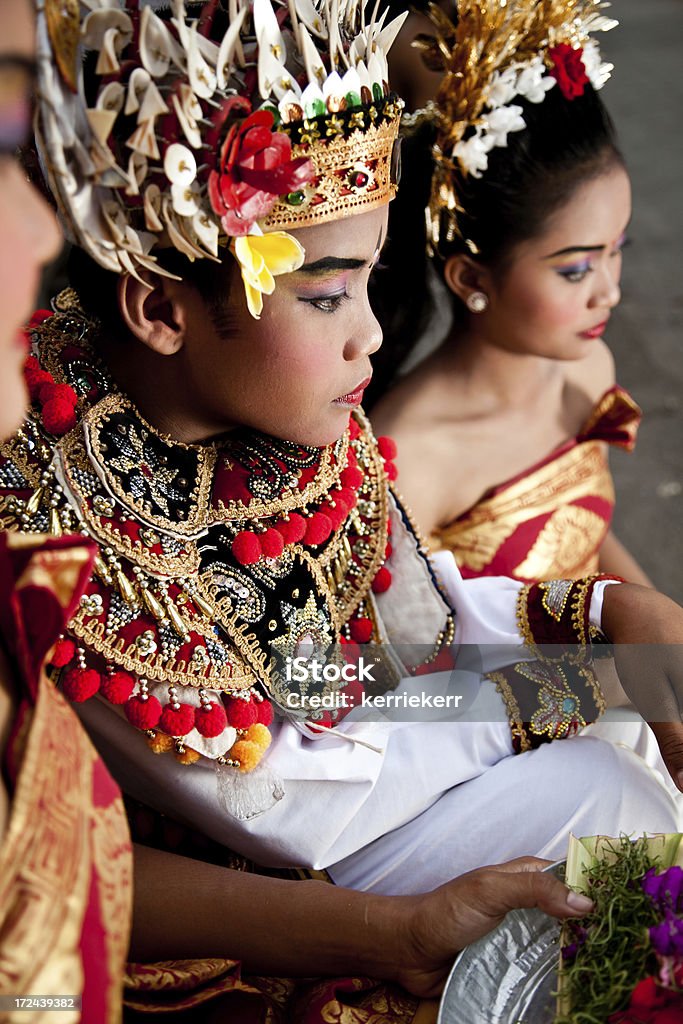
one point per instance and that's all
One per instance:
(473, 155)
(597, 71)
(503, 88)
(501, 122)
(533, 82)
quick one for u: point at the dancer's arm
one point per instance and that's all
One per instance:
(186, 908)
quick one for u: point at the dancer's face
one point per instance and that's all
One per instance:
(29, 236)
(557, 292)
(298, 371)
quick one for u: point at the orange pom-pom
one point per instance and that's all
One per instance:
(360, 630)
(143, 714)
(58, 417)
(160, 743)
(62, 652)
(259, 735)
(241, 713)
(117, 687)
(211, 720)
(177, 721)
(272, 543)
(187, 756)
(79, 684)
(246, 547)
(248, 754)
(382, 581)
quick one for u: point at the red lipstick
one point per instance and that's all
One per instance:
(354, 397)
(595, 332)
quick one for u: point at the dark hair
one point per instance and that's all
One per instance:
(96, 286)
(565, 144)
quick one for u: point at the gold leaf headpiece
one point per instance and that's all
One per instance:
(491, 52)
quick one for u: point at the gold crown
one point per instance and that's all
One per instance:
(354, 172)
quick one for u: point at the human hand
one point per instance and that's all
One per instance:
(440, 923)
(646, 629)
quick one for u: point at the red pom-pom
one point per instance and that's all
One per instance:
(390, 470)
(352, 477)
(177, 721)
(354, 429)
(336, 514)
(390, 526)
(264, 712)
(388, 549)
(382, 581)
(272, 543)
(351, 458)
(360, 630)
(117, 687)
(387, 447)
(64, 392)
(58, 417)
(80, 684)
(144, 714)
(210, 720)
(36, 379)
(348, 496)
(353, 693)
(63, 652)
(318, 529)
(246, 547)
(241, 713)
(38, 317)
(292, 529)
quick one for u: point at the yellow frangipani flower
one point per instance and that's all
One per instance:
(261, 259)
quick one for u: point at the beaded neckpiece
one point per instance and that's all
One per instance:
(210, 557)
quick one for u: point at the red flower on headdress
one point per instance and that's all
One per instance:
(568, 70)
(255, 168)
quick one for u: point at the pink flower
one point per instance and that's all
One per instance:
(256, 167)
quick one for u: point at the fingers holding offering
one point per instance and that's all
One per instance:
(444, 921)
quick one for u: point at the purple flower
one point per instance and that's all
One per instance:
(667, 937)
(579, 934)
(665, 890)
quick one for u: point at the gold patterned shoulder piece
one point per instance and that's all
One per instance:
(215, 563)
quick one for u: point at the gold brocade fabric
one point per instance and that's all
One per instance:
(65, 857)
(550, 521)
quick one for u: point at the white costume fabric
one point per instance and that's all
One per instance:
(399, 807)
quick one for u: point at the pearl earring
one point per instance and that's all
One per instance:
(477, 302)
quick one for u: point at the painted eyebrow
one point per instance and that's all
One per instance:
(574, 248)
(331, 263)
(328, 263)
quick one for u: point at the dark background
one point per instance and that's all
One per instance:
(645, 97)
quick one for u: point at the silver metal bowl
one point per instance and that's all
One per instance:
(509, 976)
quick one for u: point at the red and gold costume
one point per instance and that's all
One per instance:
(65, 858)
(549, 521)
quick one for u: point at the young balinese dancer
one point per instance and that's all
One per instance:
(230, 171)
(528, 206)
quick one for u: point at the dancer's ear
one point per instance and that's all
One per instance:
(153, 310)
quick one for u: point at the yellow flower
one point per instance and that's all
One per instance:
(261, 259)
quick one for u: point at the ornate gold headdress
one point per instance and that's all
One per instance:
(489, 54)
(212, 123)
